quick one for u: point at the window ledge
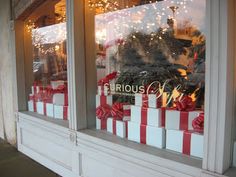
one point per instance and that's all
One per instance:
(160, 160)
(43, 119)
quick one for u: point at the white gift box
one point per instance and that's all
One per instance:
(103, 90)
(146, 116)
(180, 120)
(150, 135)
(150, 100)
(59, 99)
(40, 107)
(61, 112)
(50, 110)
(31, 106)
(55, 84)
(102, 99)
(185, 142)
(117, 127)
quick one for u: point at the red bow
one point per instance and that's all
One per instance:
(185, 104)
(117, 111)
(198, 123)
(103, 112)
(107, 79)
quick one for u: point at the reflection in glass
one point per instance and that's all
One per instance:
(46, 32)
(151, 71)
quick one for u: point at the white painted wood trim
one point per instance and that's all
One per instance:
(219, 89)
(76, 64)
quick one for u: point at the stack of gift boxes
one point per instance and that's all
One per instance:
(147, 121)
(51, 101)
(178, 129)
(111, 117)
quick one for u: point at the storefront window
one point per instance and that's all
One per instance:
(45, 48)
(150, 60)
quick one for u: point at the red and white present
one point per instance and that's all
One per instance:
(60, 99)
(148, 100)
(121, 111)
(186, 142)
(103, 90)
(102, 100)
(56, 84)
(32, 107)
(101, 124)
(147, 116)
(150, 135)
(61, 112)
(117, 127)
(45, 108)
(180, 120)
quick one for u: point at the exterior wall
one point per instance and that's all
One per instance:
(7, 65)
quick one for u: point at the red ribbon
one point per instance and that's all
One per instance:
(143, 134)
(184, 116)
(185, 104)
(65, 112)
(114, 126)
(145, 100)
(198, 123)
(144, 115)
(187, 142)
(118, 112)
(103, 100)
(103, 112)
(107, 79)
(163, 116)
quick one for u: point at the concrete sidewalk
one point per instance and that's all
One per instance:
(15, 164)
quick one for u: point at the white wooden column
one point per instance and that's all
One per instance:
(76, 64)
(219, 86)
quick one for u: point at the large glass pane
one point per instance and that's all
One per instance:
(150, 58)
(46, 60)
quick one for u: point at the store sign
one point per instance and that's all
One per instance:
(154, 88)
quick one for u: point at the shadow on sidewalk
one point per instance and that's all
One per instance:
(15, 164)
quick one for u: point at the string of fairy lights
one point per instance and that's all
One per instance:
(146, 18)
(128, 17)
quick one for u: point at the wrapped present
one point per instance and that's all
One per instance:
(56, 84)
(103, 90)
(61, 112)
(180, 120)
(49, 109)
(32, 107)
(117, 127)
(147, 116)
(148, 100)
(121, 111)
(186, 142)
(150, 135)
(45, 108)
(102, 99)
(103, 112)
(60, 99)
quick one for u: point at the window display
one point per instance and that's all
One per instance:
(150, 58)
(45, 33)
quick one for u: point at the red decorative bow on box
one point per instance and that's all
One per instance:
(185, 104)
(117, 111)
(198, 123)
(103, 112)
(107, 79)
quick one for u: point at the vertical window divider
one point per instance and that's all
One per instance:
(219, 88)
(76, 64)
